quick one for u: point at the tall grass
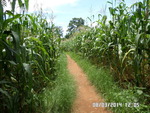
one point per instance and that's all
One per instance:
(60, 98)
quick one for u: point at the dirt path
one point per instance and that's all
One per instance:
(86, 93)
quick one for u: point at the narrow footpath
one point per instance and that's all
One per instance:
(86, 93)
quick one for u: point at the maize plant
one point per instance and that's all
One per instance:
(121, 43)
(28, 54)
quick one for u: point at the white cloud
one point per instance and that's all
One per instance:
(49, 4)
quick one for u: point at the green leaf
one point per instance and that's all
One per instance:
(126, 55)
(16, 40)
(4, 82)
(109, 2)
(33, 21)
(138, 38)
(26, 4)
(1, 14)
(13, 79)
(5, 93)
(111, 10)
(104, 19)
(17, 28)
(9, 50)
(13, 4)
(89, 18)
(27, 68)
(12, 62)
(8, 12)
(41, 70)
(10, 20)
(139, 92)
(20, 3)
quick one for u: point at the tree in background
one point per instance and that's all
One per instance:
(73, 26)
(59, 31)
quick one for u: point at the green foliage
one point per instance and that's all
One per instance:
(74, 24)
(60, 98)
(67, 45)
(29, 49)
(121, 43)
(59, 31)
(105, 85)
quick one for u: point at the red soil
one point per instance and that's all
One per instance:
(86, 93)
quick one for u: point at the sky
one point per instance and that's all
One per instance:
(64, 10)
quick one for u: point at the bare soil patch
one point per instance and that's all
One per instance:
(86, 93)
